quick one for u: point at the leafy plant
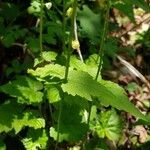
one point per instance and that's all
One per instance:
(62, 99)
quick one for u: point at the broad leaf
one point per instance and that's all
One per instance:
(82, 84)
(13, 117)
(49, 70)
(120, 101)
(25, 89)
(27, 119)
(70, 126)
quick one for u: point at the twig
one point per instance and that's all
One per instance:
(24, 47)
(134, 71)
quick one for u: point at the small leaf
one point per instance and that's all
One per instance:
(36, 139)
(53, 70)
(32, 44)
(90, 67)
(49, 56)
(109, 125)
(8, 40)
(53, 94)
(131, 87)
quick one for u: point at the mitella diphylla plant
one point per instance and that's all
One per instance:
(63, 97)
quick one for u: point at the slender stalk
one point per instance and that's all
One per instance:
(100, 52)
(64, 27)
(76, 37)
(58, 125)
(70, 39)
(41, 26)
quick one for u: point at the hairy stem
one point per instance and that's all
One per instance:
(70, 39)
(100, 52)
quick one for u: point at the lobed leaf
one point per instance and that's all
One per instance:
(25, 89)
(109, 124)
(36, 139)
(12, 117)
(53, 70)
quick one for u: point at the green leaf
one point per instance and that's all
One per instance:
(90, 22)
(35, 139)
(142, 4)
(70, 126)
(82, 84)
(8, 114)
(132, 86)
(126, 8)
(25, 89)
(32, 44)
(49, 56)
(9, 11)
(120, 99)
(109, 124)
(95, 143)
(53, 70)
(76, 100)
(8, 40)
(27, 119)
(13, 117)
(91, 68)
(110, 47)
(53, 94)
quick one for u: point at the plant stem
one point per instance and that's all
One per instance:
(76, 37)
(100, 52)
(41, 26)
(58, 124)
(70, 39)
(63, 47)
